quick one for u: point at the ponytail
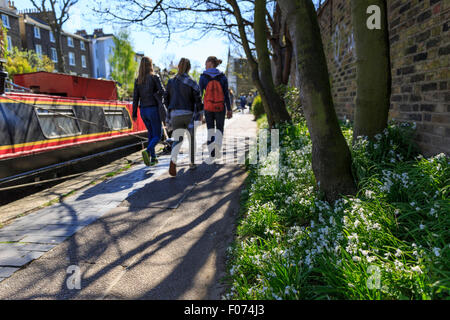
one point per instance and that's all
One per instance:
(216, 62)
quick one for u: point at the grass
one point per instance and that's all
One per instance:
(390, 241)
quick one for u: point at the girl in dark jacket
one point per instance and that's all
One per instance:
(148, 93)
(184, 104)
(215, 119)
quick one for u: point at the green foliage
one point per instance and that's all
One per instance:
(3, 42)
(123, 64)
(388, 242)
(291, 96)
(27, 61)
(262, 123)
(195, 74)
(258, 108)
(18, 61)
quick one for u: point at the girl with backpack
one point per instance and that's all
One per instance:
(184, 104)
(148, 93)
(216, 101)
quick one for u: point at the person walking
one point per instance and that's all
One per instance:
(250, 99)
(147, 96)
(243, 101)
(184, 108)
(231, 98)
(216, 101)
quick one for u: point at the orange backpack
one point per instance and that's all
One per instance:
(214, 98)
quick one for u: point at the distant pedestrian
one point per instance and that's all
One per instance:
(185, 106)
(216, 100)
(147, 96)
(243, 101)
(231, 98)
(250, 99)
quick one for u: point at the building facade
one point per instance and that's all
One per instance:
(84, 55)
(36, 35)
(239, 76)
(102, 48)
(10, 20)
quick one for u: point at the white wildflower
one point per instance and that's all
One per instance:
(369, 194)
(416, 269)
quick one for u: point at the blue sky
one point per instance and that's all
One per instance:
(81, 17)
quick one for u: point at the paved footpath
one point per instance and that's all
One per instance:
(139, 235)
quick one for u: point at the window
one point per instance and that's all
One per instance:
(57, 122)
(117, 119)
(71, 58)
(70, 41)
(83, 61)
(82, 45)
(39, 50)
(37, 32)
(5, 20)
(52, 37)
(10, 45)
(54, 54)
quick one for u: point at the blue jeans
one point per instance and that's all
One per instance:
(152, 121)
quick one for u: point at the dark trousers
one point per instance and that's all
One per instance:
(215, 121)
(150, 117)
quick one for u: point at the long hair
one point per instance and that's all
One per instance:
(216, 62)
(145, 68)
(184, 66)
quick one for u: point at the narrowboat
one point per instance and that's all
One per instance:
(62, 117)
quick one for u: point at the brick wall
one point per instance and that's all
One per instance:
(420, 52)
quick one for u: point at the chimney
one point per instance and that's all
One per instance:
(98, 32)
(82, 33)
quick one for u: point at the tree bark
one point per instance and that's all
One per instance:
(251, 61)
(287, 56)
(331, 158)
(277, 105)
(282, 48)
(373, 75)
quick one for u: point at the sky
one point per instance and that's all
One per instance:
(181, 45)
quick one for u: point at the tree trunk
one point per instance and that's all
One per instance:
(373, 75)
(59, 52)
(276, 103)
(251, 61)
(331, 158)
(281, 47)
(287, 55)
(277, 48)
(270, 108)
